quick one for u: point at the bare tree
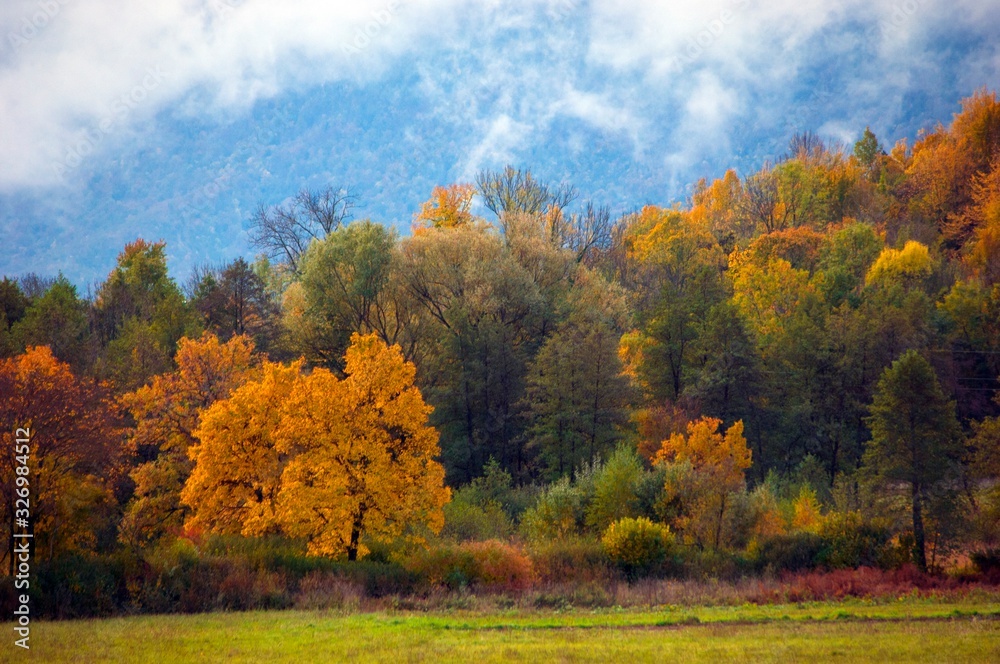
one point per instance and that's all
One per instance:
(517, 191)
(590, 231)
(284, 232)
(759, 203)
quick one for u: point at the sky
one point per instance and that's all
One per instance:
(173, 120)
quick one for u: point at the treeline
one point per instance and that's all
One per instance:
(809, 348)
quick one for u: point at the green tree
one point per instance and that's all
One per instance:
(576, 396)
(13, 304)
(916, 438)
(867, 149)
(235, 300)
(345, 288)
(139, 314)
(57, 319)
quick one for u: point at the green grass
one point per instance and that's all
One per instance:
(910, 629)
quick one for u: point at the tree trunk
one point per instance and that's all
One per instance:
(919, 550)
(352, 548)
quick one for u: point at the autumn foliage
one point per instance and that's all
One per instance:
(76, 452)
(320, 458)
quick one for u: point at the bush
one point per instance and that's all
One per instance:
(702, 564)
(987, 562)
(571, 560)
(615, 489)
(325, 590)
(465, 521)
(490, 565)
(850, 541)
(558, 513)
(792, 552)
(637, 546)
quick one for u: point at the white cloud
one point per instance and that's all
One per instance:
(81, 77)
(93, 71)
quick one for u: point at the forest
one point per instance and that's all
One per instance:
(796, 369)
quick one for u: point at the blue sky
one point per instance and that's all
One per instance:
(172, 120)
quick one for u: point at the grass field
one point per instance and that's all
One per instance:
(911, 630)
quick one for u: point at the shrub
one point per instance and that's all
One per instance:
(325, 590)
(558, 513)
(850, 541)
(571, 560)
(792, 552)
(615, 489)
(491, 565)
(465, 521)
(501, 566)
(702, 564)
(637, 546)
(987, 562)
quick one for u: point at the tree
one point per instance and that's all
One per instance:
(329, 460)
(235, 300)
(678, 277)
(916, 438)
(284, 232)
(345, 288)
(57, 319)
(867, 149)
(907, 266)
(485, 315)
(448, 207)
(237, 476)
(138, 316)
(13, 305)
(73, 455)
(576, 396)
(167, 412)
(702, 469)
(515, 191)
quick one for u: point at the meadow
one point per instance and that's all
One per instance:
(907, 628)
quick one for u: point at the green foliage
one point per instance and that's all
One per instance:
(342, 291)
(464, 520)
(559, 512)
(867, 149)
(57, 319)
(915, 436)
(615, 489)
(851, 541)
(790, 553)
(637, 546)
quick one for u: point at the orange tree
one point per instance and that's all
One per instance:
(166, 413)
(325, 459)
(702, 469)
(74, 456)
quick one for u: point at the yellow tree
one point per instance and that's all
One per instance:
(167, 412)
(448, 207)
(702, 469)
(328, 460)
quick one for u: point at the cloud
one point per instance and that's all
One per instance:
(637, 98)
(90, 73)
